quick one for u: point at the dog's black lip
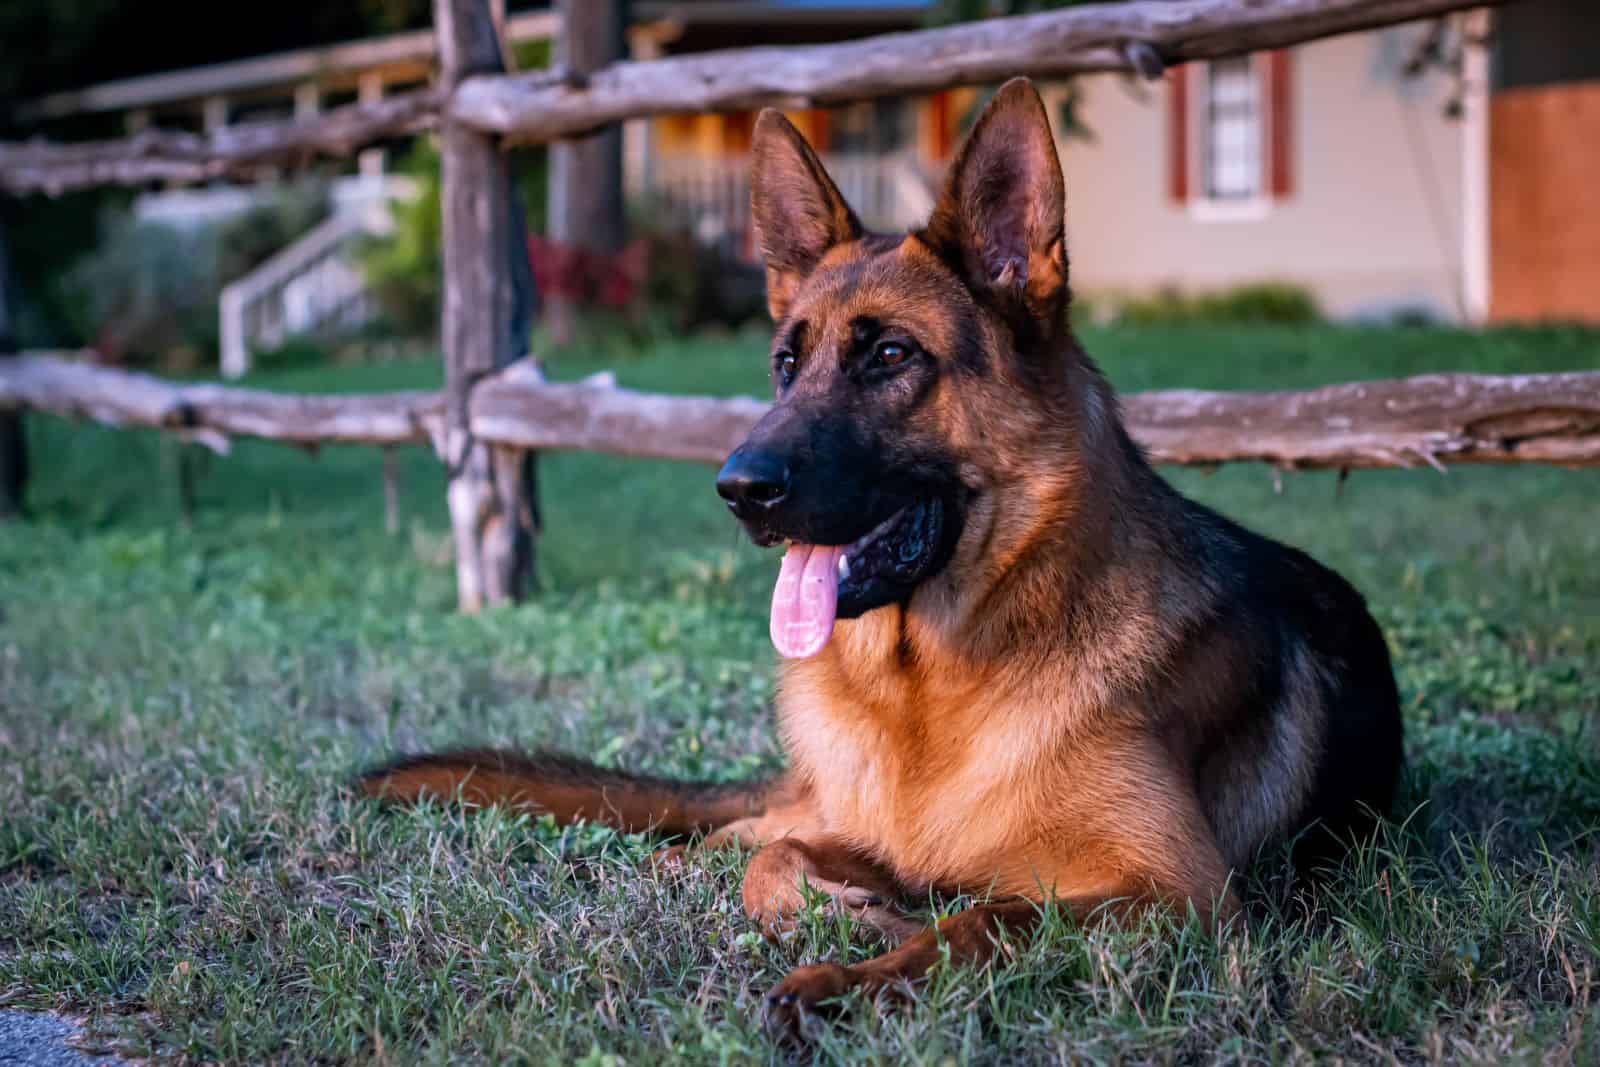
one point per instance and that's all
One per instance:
(888, 564)
(878, 532)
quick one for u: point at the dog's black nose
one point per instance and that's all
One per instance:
(753, 481)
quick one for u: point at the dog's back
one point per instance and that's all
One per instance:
(1291, 696)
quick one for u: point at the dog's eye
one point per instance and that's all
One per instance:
(891, 353)
(786, 367)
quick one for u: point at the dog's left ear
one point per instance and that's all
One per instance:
(1000, 219)
(798, 212)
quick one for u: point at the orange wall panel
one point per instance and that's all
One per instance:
(1544, 203)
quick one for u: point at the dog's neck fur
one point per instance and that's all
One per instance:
(1081, 574)
(1104, 515)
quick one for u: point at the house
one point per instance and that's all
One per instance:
(1448, 169)
(1440, 169)
(1328, 166)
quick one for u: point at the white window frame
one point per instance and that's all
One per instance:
(1203, 207)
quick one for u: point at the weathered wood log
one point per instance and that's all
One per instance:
(241, 151)
(1430, 419)
(546, 106)
(66, 384)
(597, 416)
(485, 317)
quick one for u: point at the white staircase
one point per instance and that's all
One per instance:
(312, 286)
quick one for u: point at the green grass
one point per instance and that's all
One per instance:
(179, 711)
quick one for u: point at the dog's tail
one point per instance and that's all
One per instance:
(569, 789)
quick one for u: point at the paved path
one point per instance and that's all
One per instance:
(30, 1039)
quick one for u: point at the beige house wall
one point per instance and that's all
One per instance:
(1374, 221)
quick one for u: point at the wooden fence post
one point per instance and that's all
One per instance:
(487, 312)
(585, 199)
(13, 445)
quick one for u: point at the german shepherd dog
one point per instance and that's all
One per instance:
(1015, 660)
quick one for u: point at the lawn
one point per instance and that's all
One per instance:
(180, 712)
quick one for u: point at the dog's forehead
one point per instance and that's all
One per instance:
(894, 281)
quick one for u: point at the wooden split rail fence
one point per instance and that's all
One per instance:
(496, 411)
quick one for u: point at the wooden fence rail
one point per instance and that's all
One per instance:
(240, 151)
(1432, 419)
(1143, 36)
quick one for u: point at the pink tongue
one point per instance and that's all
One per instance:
(805, 599)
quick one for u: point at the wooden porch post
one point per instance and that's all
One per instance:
(13, 445)
(487, 313)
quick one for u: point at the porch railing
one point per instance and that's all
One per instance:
(710, 196)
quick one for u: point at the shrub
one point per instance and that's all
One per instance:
(148, 291)
(1269, 302)
(405, 269)
(147, 294)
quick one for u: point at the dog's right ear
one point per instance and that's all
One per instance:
(1000, 221)
(797, 209)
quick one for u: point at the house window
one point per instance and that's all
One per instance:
(1229, 146)
(1231, 129)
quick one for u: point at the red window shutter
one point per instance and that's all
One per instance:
(1178, 133)
(1280, 116)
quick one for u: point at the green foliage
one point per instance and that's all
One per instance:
(405, 268)
(1262, 302)
(294, 351)
(147, 293)
(179, 712)
(44, 238)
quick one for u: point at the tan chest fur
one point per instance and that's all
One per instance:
(938, 779)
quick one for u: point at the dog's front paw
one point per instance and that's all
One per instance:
(807, 992)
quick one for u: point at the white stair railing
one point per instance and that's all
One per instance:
(312, 285)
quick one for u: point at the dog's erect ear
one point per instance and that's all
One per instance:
(1000, 218)
(798, 211)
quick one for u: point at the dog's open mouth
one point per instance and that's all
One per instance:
(819, 584)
